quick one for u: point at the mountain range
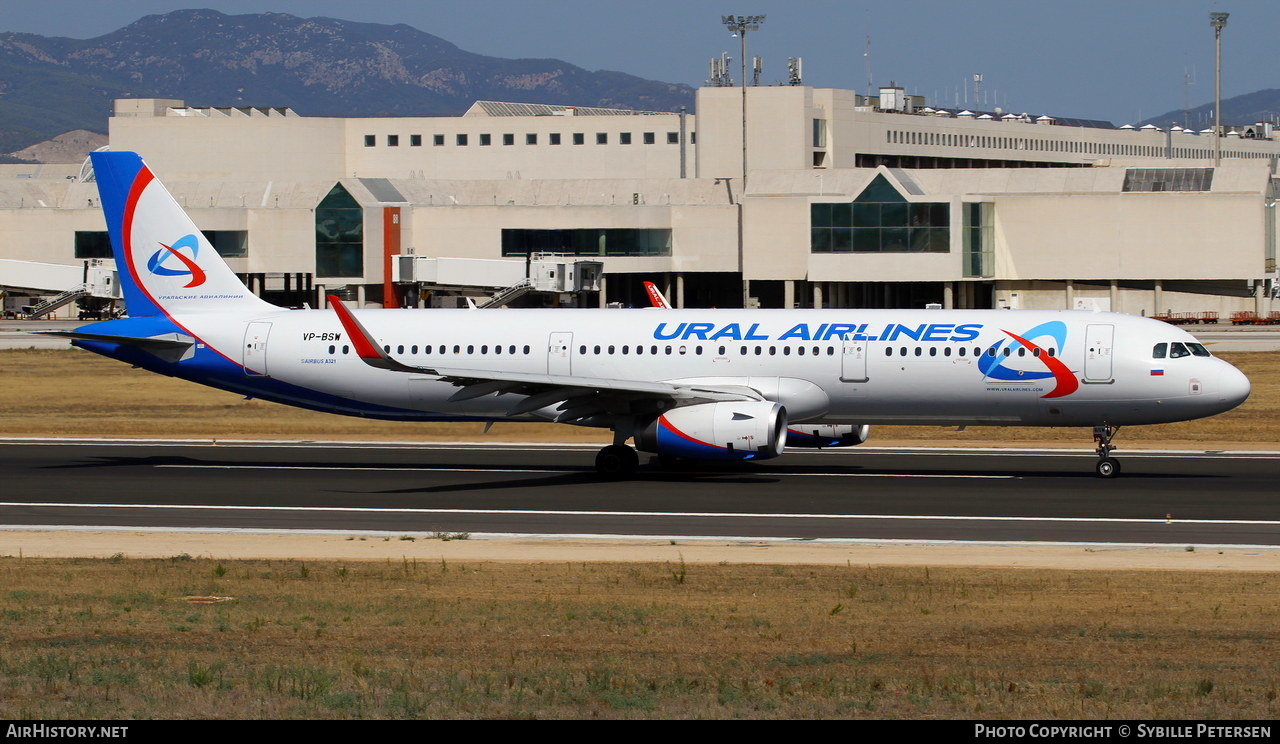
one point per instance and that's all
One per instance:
(1243, 110)
(323, 67)
(316, 66)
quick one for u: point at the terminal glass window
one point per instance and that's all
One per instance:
(880, 220)
(228, 243)
(93, 244)
(1168, 179)
(588, 242)
(339, 235)
(979, 239)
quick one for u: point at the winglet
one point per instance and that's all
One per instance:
(655, 296)
(362, 341)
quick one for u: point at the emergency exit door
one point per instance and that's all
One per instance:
(1098, 343)
(560, 353)
(255, 349)
(853, 361)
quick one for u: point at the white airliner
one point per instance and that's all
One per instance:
(683, 384)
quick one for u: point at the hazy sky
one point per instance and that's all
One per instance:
(1122, 60)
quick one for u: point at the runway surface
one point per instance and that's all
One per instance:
(860, 494)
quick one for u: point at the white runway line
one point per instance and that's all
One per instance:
(594, 513)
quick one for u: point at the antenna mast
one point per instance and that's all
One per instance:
(867, 55)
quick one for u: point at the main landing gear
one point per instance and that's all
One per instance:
(617, 461)
(1107, 467)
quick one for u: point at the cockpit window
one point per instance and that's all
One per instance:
(1160, 351)
(1199, 350)
(1178, 350)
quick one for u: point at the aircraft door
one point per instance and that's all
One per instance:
(853, 360)
(560, 353)
(1098, 343)
(254, 359)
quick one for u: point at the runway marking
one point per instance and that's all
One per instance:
(593, 513)
(429, 469)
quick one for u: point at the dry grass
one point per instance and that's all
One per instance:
(121, 638)
(73, 393)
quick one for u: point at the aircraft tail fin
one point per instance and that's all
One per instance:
(166, 265)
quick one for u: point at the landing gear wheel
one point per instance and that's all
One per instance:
(617, 461)
(1102, 435)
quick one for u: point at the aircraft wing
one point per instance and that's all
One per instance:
(579, 396)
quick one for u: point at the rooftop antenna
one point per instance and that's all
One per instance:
(757, 67)
(794, 71)
(720, 76)
(977, 88)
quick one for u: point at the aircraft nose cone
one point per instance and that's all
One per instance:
(1233, 387)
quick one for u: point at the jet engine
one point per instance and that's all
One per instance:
(826, 435)
(731, 430)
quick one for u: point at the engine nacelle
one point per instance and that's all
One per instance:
(731, 430)
(826, 435)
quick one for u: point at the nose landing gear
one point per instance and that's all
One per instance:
(1106, 467)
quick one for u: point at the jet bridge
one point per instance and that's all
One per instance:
(503, 279)
(35, 289)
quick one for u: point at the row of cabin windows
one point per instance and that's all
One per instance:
(510, 350)
(656, 350)
(964, 351)
(530, 138)
(1177, 350)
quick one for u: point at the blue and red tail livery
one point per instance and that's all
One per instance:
(166, 264)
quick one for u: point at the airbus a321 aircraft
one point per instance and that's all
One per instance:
(683, 384)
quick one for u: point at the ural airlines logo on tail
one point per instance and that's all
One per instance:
(997, 367)
(156, 264)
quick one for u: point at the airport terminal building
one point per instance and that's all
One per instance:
(783, 196)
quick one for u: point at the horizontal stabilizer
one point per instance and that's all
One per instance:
(171, 347)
